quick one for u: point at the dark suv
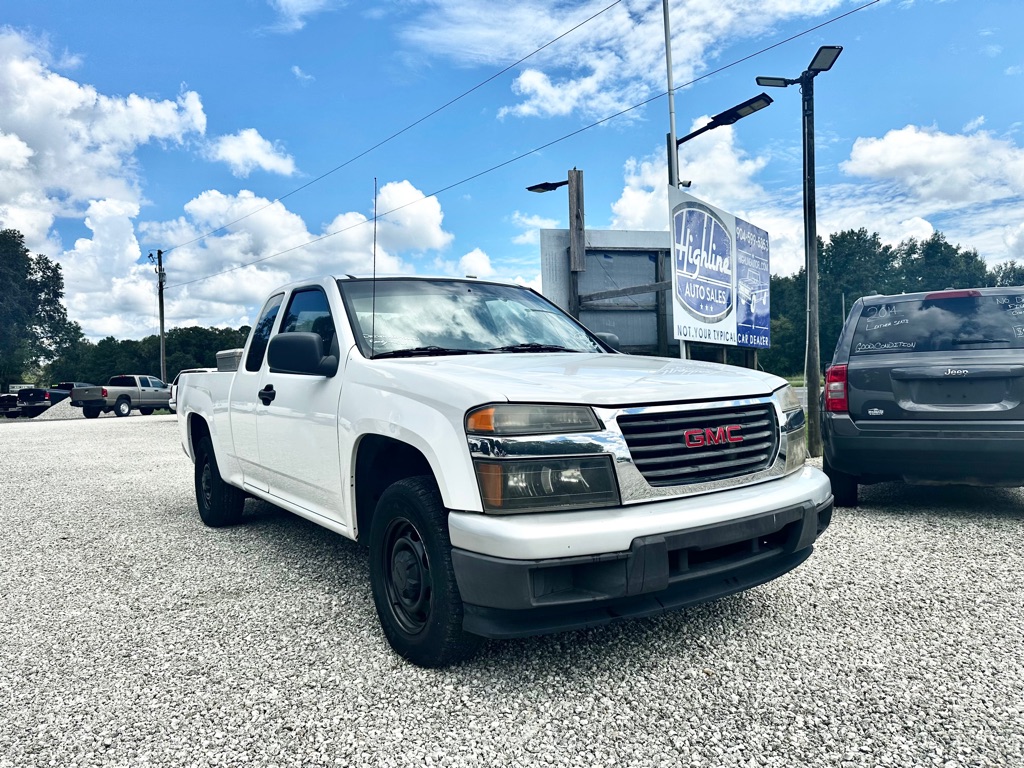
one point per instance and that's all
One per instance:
(927, 388)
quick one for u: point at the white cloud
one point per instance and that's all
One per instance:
(532, 225)
(941, 167)
(476, 263)
(246, 151)
(65, 146)
(293, 13)
(616, 61)
(974, 124)
(301, 76)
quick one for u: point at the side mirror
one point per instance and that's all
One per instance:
(610, 339)
(302, 353)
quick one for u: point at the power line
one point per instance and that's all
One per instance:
(519, 157)
(398, 133)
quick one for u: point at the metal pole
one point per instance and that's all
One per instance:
(812, 363)
(673, 149)
(577, 240)
(161, 279)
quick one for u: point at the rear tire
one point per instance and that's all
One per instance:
(412, 578)
(844, 486)
(219, 503)
(146, 411)
(91, 413)
(123, 407)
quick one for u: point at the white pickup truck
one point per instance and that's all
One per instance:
(510, 472)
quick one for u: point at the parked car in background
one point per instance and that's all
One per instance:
(122, 395)
(33, 401)
(172, 403)
(9, 406)
(62, 391)
(927, 388)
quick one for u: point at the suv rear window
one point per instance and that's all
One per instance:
(940, 324)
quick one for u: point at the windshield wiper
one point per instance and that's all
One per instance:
(428, 352)
(981, 341)
(532, 347)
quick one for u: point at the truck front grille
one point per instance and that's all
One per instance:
(687, 447)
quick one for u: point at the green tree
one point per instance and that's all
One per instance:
(853, 264)
(1007, 273)
(934, 264)
(34, 326)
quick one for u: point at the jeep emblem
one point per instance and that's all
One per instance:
(956, 372)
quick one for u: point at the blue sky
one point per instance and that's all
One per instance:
(127, 127)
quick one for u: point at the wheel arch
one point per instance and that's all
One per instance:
(380, 462)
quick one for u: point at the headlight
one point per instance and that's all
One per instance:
(788, 398)
(794, 428)
(530, 420)
(547, 485)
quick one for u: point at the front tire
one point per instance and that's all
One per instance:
(91, 413)
(219, 503)
(146, 411)
(844, 486)
(123, 407)
(412, 578)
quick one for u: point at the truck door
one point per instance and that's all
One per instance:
(297, 417)
(243, 400)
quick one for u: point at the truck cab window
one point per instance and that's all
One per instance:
(308, 311)
(261, 333)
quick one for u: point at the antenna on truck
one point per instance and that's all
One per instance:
(373, 285)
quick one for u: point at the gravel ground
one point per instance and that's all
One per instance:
(134, 636)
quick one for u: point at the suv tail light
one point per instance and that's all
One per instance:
(836, 400)
(104, 390)
(46, 395)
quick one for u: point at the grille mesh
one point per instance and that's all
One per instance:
(657, 444)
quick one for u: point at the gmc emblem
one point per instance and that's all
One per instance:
(697, 438)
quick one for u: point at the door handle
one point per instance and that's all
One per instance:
(267, 394)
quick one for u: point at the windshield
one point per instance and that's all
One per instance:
(407, 317)
(941, 324)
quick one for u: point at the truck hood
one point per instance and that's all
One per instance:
(592, 379)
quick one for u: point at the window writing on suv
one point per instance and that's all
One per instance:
(261, 333)
(940, 324)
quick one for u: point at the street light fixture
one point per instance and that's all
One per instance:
(731, 115)
(577, 249)
(822, 62)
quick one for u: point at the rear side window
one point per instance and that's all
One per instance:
(308, 311)
(941, 324)
(121, 381)
(261, 333)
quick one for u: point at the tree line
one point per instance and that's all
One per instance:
(40, 345)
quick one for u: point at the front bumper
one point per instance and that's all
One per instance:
(654, 571)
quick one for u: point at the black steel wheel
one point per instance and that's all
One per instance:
(219, 503)
(844, 486)
(412, 579)
(123, 407)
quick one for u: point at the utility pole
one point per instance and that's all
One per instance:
(577, 239)
(577, 232)
(161, 277)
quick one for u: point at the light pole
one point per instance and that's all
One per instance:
(822, 62)
(577, 247)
